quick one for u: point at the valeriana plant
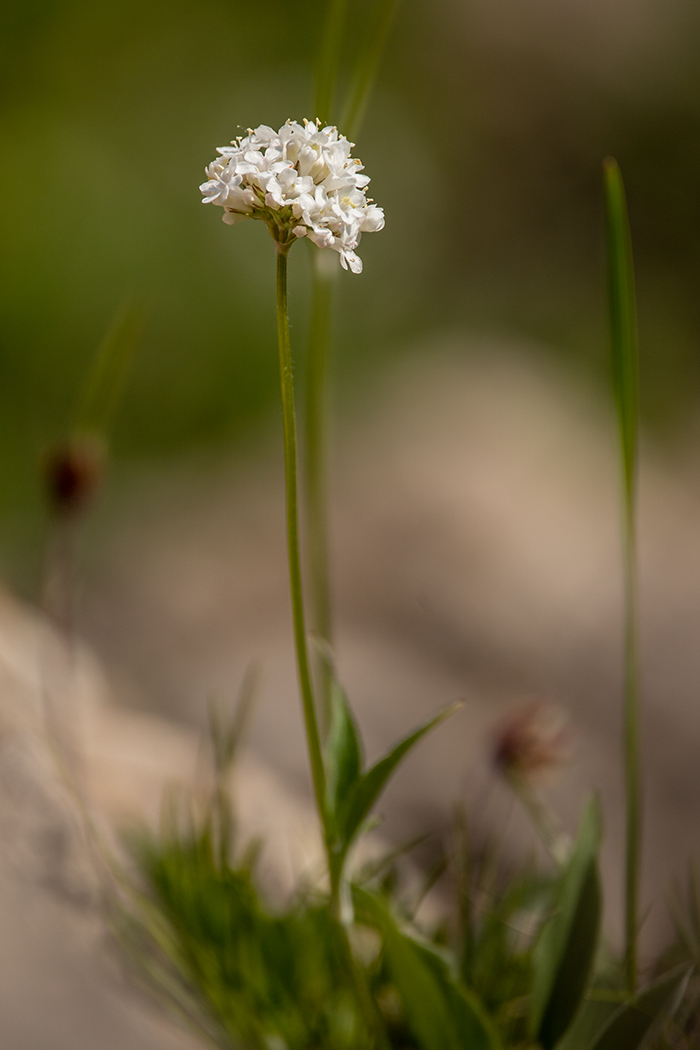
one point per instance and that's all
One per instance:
(519, 963)
(301, 182)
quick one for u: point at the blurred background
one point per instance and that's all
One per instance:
(475, 501)
(484, 142)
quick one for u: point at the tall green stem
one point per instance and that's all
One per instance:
(290, 470)
(632, 763)
(365, 67)
(623, 340)
(315, 474)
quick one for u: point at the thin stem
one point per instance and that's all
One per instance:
(625, 362)
(365, 1001)
(632, 762)
(290, 470)
(315, 474)
(329, 58)
(367, 66)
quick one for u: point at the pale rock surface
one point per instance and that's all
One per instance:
(74, 770)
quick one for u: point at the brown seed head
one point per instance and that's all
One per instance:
(532, 741)
(72, 471)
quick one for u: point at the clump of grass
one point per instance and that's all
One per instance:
(513, 961)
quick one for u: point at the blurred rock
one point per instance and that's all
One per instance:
(74, 769)
(476, 554)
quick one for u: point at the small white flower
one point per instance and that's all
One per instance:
(301, 181)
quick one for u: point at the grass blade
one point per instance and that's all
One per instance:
(369, 788)
(100, 395)
(564, 952)
(622, 317)
(226, 733)
(625, 369)
(441, 1014)
(634, 1021)
(367, 66)
(328, 62)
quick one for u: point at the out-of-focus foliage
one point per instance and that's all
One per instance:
(514, 971)
(484, 142)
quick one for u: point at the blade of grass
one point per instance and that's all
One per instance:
(625, 369)
(367, 66)
(315, 422)
(368, 789)
(103, 386)
(441, 1014)
(328, 62)
(630, 1026)
(226, 733)
(563, 955)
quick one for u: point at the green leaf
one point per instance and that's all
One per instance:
(623, 315)
(423, 999)
(563, 955)
(441, 1014)
(368, 789)
(342, 752)
(475, 1028)
(634, 1021)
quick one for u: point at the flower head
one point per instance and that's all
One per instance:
(301, 181)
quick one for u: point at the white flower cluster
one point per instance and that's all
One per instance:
(301, 181)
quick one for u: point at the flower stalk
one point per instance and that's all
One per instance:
(356, 978)
(292, 504)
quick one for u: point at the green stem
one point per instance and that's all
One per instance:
(329, 58)
(625, 362)
(316, 442)
(365, 1001)
(290, 470)
(632, 764)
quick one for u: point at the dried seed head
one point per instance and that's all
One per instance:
(532, 742)
(72, 471)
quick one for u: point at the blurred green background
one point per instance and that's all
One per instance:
(484, 141)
